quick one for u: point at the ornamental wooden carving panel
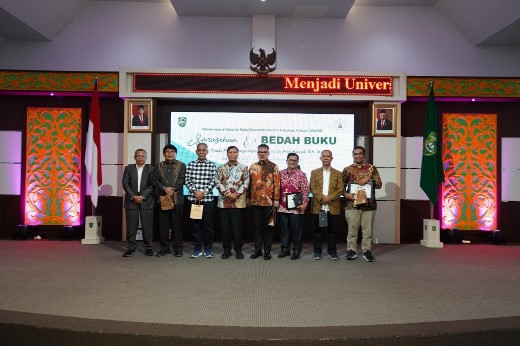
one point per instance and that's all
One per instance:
(469, 193)
(53, 166)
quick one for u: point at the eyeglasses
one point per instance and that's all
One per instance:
(262, 152)
(169, 151)
(291, 160)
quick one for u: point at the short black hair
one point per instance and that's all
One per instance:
(169, 146)
(358, 147)
(231, 147)
(293, 154)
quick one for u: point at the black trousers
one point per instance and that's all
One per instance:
(132, 223)
(262, 232)
(171, 219)
(332, 230)
(290, 227)
(231, 222)
(203, 229)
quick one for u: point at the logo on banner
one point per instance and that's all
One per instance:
(182, 121)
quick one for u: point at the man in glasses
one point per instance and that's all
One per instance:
(293, 202)
(170, 177)
(360, 212)
(263, 195)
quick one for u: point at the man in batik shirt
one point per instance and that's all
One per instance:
(232, 183)
(170, 177)
(356, 213)
(263, 195)
(295, 186)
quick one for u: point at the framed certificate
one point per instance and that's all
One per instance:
(293, 199)
(368, 188)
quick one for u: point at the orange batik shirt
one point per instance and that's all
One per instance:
(264, 186)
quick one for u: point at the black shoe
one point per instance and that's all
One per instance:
(177, 253)
(163, 253)
(295, 256)
(148, 252)
(367, 255)
(351, 255)
(267, 255)
(240, 255)
(284, 254)
(256, 254)
(129, 253)
(225, 255)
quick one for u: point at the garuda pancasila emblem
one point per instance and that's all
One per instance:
(262, 63)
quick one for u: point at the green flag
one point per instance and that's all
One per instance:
(431, 167)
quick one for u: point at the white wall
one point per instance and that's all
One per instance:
(415, 40)
(386, 159)
(411, 151)
(510, 170)
(10, 162)
(11, 174)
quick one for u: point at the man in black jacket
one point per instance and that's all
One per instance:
(139, 202)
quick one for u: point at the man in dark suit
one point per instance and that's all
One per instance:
(326, 186)
(383, 123)
(140, 119)
(139, 202)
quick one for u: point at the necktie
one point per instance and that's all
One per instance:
(141, 120)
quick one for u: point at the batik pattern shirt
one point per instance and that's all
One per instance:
(171, 174)
(293, 181)
(353, 174)
(264, 186)
(232, 178)
(200, 176)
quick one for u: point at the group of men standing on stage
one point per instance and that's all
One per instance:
(263, 188)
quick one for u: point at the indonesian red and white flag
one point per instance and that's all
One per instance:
(93, 149)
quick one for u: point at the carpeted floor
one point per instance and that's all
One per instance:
(407, 284)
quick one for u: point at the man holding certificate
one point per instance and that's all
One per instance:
(294, 196)
(361, 179)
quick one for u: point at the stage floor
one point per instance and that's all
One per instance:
(408, 284)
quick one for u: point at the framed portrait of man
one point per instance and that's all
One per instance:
(140, 115)
(384, 120)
